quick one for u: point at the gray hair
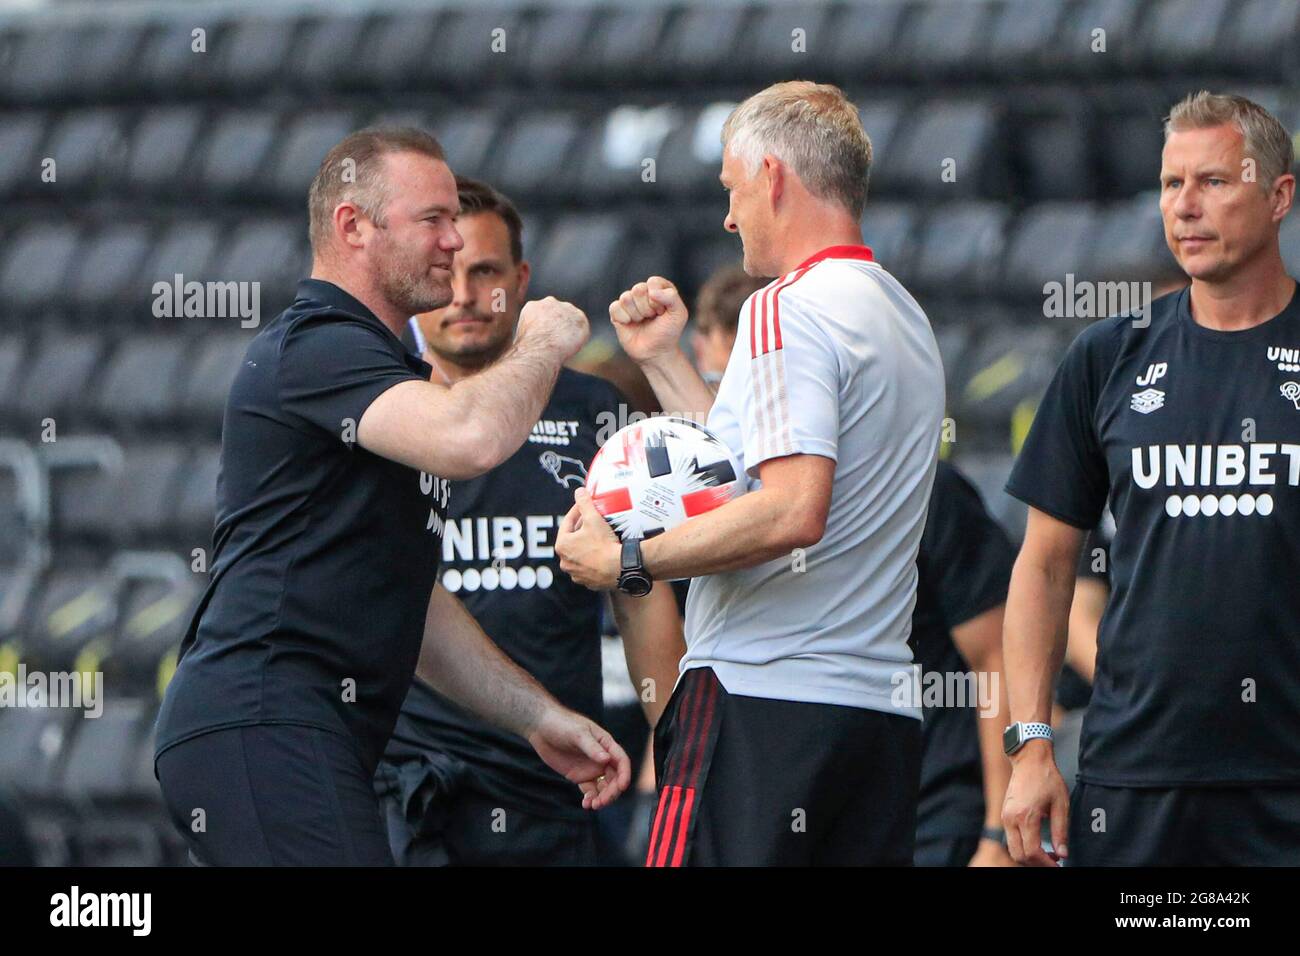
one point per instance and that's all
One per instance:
(1266, 140)
(812, 127)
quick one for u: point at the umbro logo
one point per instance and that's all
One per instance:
(1147, 401)
(1288, 360)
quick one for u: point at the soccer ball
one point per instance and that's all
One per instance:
(652, 475)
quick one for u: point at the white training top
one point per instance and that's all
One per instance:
(835, 359)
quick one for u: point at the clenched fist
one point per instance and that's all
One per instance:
(559, 325)
(649, 318)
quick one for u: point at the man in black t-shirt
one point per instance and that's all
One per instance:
(336, 457)
(963, 568)
(1187, 418)
(455, 789)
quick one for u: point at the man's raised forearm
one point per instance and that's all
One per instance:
(678, 386)
(506, 398)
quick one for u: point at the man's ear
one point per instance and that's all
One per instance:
(774, 172)
(525, 272)
(347, 225)
(1283, 196)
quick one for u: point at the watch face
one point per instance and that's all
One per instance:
(635, 585)
(1011, 739)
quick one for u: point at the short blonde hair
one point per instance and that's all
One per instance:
(814, 128)
(1266, 140)
(353, 171)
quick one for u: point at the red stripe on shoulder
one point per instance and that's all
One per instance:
(776, 303)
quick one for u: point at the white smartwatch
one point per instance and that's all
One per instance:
(1020, 733)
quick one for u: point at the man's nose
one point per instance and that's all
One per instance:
(1187, 203)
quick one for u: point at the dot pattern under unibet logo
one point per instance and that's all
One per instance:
(489, 579)
(1222, 505)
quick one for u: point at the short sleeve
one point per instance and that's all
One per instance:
(1062, 469)
(333, 366)
(965, 553)
(793, 407)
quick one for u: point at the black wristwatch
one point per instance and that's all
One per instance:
(632, 578)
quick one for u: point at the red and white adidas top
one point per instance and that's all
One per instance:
(835, 359)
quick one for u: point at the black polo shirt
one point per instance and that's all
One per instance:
(499, 559)
(324, 554)
(1193, 435)
(963, 569)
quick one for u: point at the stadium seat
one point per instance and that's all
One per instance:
(88, 148)
(13, 351)
(769, 52)
(1049, 241)
(327, 53)
(960, 248)
(1005, 370)
(187, 248)
(536, 155)
(397, 49)
(590, 258)
(888, 228)
(145, 492)
(691, 156)
(880, 119)
(154, 616)
(463, 53)
(700, 45)
(250, 58)
(305, 144)
(947, 39)
(1050, 151)
(234, 160)
(83, 502)
(205, 387)
(1130, 152)
(1024, 38)
(21, 134)
(1184, 34)
(611, 155)
(140, 380)
(107, 53)
(624, 47)
(37, 70)
(468, 137)
(169, 62)
(1099, 38)
(863, 44)
(33, 748)
(1261, 35)
(57, 372)
(39, 258)
(560, 40)
(1131, 241)
(272, 252)
(160, 148)
(196, 500)
(75, 606)
(969, 134)
(109, 263)
(103, 753)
